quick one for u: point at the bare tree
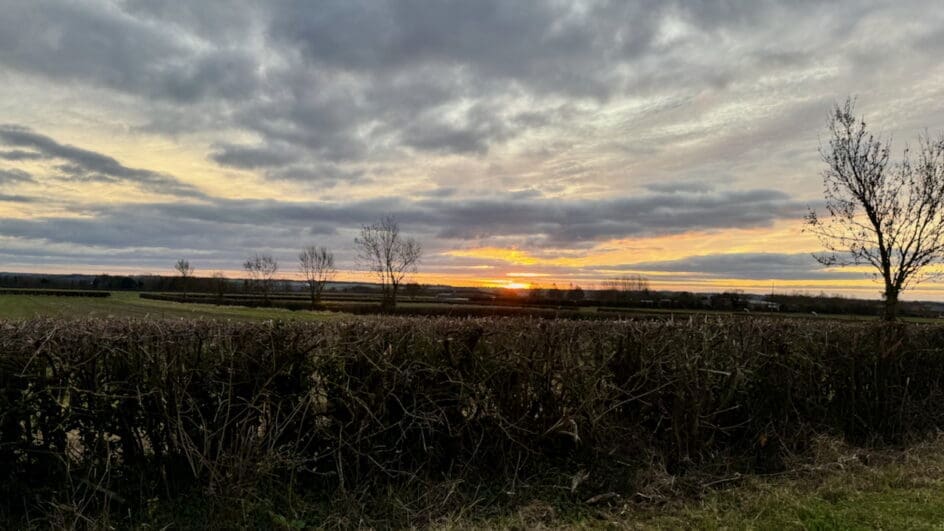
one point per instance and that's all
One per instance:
(261, 269)
(186, 272)
(889, 215)
(317, 266)
(184, 268)
(383, 251)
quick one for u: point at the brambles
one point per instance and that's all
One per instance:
(143, 410)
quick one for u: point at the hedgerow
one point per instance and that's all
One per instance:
(109, 415)
(55, 292)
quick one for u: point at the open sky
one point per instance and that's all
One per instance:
(525, 141)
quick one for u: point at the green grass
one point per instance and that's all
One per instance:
(126, 304)
(876, 499)
(898, 489)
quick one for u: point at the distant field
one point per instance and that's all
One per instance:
(128, 304)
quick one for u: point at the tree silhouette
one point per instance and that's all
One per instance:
(390, 257)
(879, 213)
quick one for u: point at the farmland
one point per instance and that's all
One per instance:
(204, 306)
(128, 304)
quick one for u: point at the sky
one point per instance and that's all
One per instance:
(522, 142)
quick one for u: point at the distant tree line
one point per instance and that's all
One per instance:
(381, 250)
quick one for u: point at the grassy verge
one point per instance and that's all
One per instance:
(843, 488)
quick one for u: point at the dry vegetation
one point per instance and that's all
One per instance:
(397, 421)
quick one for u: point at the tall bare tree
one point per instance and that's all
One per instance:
(889, 215)
(261, 269)
(383, 251)
(317, 266)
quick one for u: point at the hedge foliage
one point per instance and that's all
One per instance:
(121, 412)
(55, 292)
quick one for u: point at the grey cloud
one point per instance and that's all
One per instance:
(404, 64)
(18, 198)
(84, 164)
(572, 222)
(546, 45)
(19, 154)
(679, 187)
(344, 80)
(12, 176)
(755, 266)
(101, 45)
(221, 223)
(322, 174)
(252, 157)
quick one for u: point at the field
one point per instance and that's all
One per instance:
(391, 421)
(129, 304)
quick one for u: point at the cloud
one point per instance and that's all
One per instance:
(19, 154)
(348, 80)
(753, 266)
(83, 164)
(563, 222)
(323, 174)
(18, 198)
(98, 43)
(252, 157)
(235, 226)
(13, 176)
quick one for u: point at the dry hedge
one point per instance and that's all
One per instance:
(118, 412)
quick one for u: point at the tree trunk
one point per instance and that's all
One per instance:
(891, 304)
(385, 296)
(393, 294)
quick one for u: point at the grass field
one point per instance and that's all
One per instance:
(128, 304)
